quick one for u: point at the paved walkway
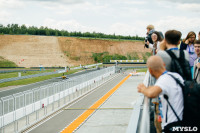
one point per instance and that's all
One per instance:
(115, 113)
(112, 117)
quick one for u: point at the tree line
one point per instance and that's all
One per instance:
(15, 29)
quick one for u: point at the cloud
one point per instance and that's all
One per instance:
(73, 25)
(136, 28)
(191, 7)
(5, 4)
(135, 2)
(182, 1)
(58, 1)
(4, 16)
(182, 24)
(70, 25)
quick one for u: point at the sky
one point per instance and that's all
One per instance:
(120, 17)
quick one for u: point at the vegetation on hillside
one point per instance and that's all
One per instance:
(15, 29)
(6, 63)
(105, 57)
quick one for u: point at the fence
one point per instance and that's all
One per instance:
(10, 71)
(43, 74)
(127, 61)
(140, 119)
(20, 110)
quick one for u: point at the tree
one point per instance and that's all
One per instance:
(32, 30)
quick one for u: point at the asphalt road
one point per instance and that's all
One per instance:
(5, 93)
(64, 118)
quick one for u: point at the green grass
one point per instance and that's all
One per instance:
(146, 56)
(34, 80)
(15, 74)
(142, 70)
(6, 63)
(133, 56)
(76, 58)
(67, 53)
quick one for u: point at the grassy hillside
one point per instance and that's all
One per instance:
(48, 51)
(6, 63)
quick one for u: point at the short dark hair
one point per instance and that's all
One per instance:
(173, 37)
(197, 42)
(199, 32)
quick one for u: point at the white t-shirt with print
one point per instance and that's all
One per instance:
(175, 97)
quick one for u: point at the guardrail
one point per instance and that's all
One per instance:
(10, 71)
(140, 119)
(25, 77)
(43, 74)
(25, 108)
(131, 61)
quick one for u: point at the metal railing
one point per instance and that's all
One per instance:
(20, 110)
(140, 119)
(43, 74)
(25, 77)
(10, 71)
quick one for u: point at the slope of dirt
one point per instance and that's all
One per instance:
(31, 51)
(82, 49)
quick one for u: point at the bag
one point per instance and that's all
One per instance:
(180, 65)
(191, 111)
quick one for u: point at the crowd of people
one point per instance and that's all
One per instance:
(165, 49)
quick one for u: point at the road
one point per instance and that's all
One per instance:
(5, 93)
(123, 99)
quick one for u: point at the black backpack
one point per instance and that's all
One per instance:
(180, 65)
(191, 111)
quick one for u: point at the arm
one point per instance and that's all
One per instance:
(183, 46)
(150, 92)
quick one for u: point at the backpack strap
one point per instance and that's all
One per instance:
(195, 79)
(177, 81)
(182, 55)
(166, 98)
(171, 54)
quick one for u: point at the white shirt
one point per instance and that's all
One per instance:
(175, 97)
(158, 46)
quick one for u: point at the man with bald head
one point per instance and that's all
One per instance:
(165, 84)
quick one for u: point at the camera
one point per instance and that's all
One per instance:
(146, 39)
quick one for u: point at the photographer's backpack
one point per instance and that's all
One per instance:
(191, 92)
(180, 65)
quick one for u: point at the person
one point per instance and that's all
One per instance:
(157, 69)
(199, 36)
(156, 38)
(171, 42)
(197, 62)
(188, 44)
(150, 30)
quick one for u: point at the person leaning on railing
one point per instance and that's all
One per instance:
(162, 87)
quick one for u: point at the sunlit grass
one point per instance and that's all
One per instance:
(34, 80)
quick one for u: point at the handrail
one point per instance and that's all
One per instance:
(140, 119)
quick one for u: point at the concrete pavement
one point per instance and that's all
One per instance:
(115, 113)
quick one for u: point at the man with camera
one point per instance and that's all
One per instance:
(148, 39)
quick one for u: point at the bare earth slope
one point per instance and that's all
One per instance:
(34, 50)
(31, 51)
